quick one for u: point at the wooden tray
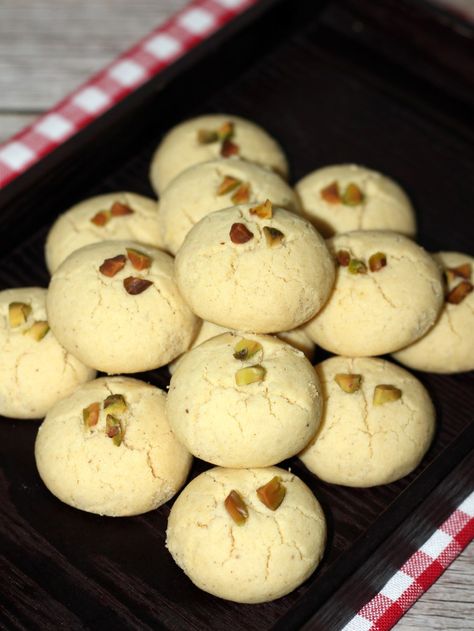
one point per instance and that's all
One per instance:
(336, 81)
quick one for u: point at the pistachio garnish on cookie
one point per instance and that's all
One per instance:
(250, 374)
(113, 265)
(386, 393)
(90, 414)
(348, 382)
(37, 330)
(18, 313)
(272, 493)
(236, 507)
(239, 233)
(246, 349)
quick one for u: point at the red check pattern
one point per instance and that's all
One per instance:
(185, 30)
(170, 41)
(417, 574)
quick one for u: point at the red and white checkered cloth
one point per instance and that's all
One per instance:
(163, 46)
(170, 41)
(421, 570)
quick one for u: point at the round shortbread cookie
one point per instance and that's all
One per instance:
(210, 137)
(113, 323)
(392, 300)
(376, 432)
(267, 556)
(111, 456)
(449, 346)
(347, 197)
(210, 186)
(35, 370)
(103, 218)
(251, 412)
(297, 338)
(257, 274)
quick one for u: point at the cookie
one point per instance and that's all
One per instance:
(102, 218)
(108, 449)
(35, 370)
(346, 197)
(115, 305)
(214, 185)
(297, 338)
(449, 346)
(255, 268)
(210, 137)
(378, 422)
(388, 293)
(244, 401)
(266, 554)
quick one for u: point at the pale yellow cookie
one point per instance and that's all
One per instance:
(210, 137)
(297, 338)
(378, 422)
(449, 346)
(131, 321)
(269, 555)
(210, 186)
(388, 293)
(254, 273)
(35, 370)
(108, 449)
(346, 197)
(239, 409)
(106, 217)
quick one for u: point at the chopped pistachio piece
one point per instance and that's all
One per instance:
(263, 211)
(236, 508)
(113, 429)
(38, 330)
(343, 258)
(273, 236)
(239, 233)
(385, 393)
(229, 148)
(228, 184)
(119, 210)
(356, 266)
(115, 404)
(242, 194)
(377, 261)
(458, 293)
(112, 266)
(348, 382)
(464, 271)
(352, 195)
(245, 349)
(272, 493)
(139, 259)
(226, 130)
(134, 285)
(250, 374)
(101, 218)
(206, 136)
(90, 414)
(330, 193)
(18, 313)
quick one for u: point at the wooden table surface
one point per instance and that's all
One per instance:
(47, 48)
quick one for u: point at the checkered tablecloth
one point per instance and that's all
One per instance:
(170, 41)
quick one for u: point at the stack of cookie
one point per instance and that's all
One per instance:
(237, 315)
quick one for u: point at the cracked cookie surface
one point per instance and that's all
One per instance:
(34, 374)
(180, 148)
(101, 323)
(378, 312)
(254, 425)
(74, 229)
(449, 346)
(384, 205)
(361, 444)
(252, 286)
(194, 193)
(268, 556)
(84, 468)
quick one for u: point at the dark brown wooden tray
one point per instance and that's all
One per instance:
(386, 84)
